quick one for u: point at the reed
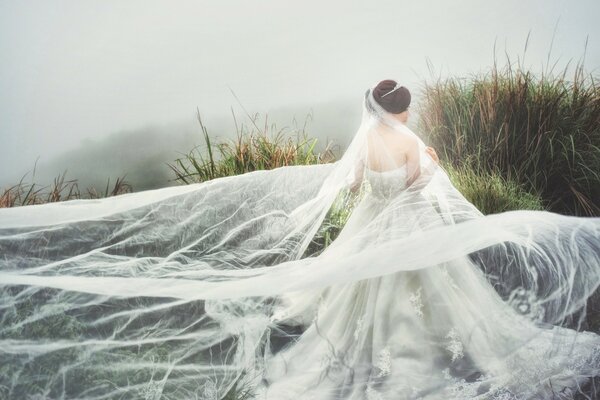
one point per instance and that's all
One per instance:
(253, 148)
(542, 132)
(23, 194)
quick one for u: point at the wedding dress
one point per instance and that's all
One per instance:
(212, 291)
(442, 332)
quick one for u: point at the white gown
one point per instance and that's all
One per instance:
(438, 333)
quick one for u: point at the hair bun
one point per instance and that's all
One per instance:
(396, 102)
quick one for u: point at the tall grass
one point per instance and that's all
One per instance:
(257, 148)
(490, 192)
(540, 131)
(23, 194)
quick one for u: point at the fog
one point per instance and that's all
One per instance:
(108, 88)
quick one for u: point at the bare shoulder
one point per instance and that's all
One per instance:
(400, 142)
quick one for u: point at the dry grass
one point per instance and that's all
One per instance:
(23, 194)
(540, 131)
(254, 148)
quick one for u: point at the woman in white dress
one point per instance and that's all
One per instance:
(435, 333)
(207, 291)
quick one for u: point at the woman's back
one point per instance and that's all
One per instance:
(389, 149)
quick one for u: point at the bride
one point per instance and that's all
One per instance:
(438, 332)
(210, 291)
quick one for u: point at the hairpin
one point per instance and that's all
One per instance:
(395, 88)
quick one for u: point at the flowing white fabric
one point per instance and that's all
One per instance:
(204, 290)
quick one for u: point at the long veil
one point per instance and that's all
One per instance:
(193, 291)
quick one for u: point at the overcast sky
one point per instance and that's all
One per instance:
(79, 69)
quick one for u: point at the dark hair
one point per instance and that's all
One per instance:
(396, 102)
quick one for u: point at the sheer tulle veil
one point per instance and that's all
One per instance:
(203, 290)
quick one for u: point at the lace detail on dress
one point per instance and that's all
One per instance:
(460, 389)
(416, 302)
(210, 390)
(359, 327)
(524, 301)
(544, 361)
(387, 184)
(384, 362)
(454, 346)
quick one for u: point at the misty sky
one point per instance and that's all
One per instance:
(73, 70)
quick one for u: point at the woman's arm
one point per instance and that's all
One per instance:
(413, 162)
(421, 167)
(358, 176)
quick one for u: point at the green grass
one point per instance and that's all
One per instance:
(334, 221)
(490, 192)
(257, 148)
